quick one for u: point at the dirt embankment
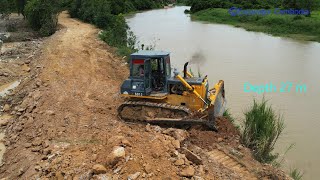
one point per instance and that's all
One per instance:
(64, 123)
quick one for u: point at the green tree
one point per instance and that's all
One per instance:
(4, 8)
(42, 15)
(20, 6)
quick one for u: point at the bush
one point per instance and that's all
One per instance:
(116, 35)
(42, 16)
(262, 128)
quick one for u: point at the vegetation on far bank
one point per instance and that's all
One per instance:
(303, 27)
(198, 5)
(298, 27)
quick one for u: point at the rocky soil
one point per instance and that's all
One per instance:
(63, 122)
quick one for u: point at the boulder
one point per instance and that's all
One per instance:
(116, 155)
(134, 176)
(99, 169)
(179, 162)
(6, 107)
(176, 144)
(191, 156)
(187, 172)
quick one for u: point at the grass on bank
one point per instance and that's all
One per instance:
(298, 27)
(296, 174)
(261, 130)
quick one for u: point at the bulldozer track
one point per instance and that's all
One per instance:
(181, 114)
(231, 163)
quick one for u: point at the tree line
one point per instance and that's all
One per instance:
(198, 5)
(106, 14)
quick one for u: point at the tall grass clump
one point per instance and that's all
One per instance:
(262, 128)
(296, 174)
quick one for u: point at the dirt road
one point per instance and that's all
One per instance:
(65, 125)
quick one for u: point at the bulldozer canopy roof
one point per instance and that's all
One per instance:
(151, 54)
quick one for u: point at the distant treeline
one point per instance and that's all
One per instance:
(198, 5)
(107, 15)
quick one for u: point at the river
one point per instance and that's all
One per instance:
(238, 57)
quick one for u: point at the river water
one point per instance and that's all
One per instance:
(239, 57)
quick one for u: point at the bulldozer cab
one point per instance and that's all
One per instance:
(149, 71)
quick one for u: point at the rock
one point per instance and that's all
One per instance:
(46, 144)
(157, 128)
(117, 154)
(117, 170)
(37, 142)
(102, 177)
(179, 162)
(59, 176)
(25, 68)
(4, 122)
(147, 168)
(21, 109)
(125, 142)
(36, 149)
(176, 144)
(191, 156)
(148, 128)
(197, 178)
(46, 151)
(236, 153)
(187, 172)
(49, 112)
(94, 157)
(6, 107)
(86, 175)
(37, 168)
(21, 171)
(27, 145)
(155, 154)
(178, 134)
(220, 139)
(99, 169)
(118, 140)
(240, 147)
(134, 176)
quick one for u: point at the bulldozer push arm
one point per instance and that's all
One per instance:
(190, 88)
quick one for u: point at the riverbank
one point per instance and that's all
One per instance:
(296, 27)
(64, 123)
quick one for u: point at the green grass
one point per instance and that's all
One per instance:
(228, 115)
(297, 27)
(261, 130)
(296, 174)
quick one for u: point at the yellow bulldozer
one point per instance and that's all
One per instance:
(155, 96)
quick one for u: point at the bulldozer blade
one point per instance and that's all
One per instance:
(217, 109)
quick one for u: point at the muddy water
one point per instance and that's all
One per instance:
(239, 57)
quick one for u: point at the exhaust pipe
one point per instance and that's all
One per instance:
(185, 70)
